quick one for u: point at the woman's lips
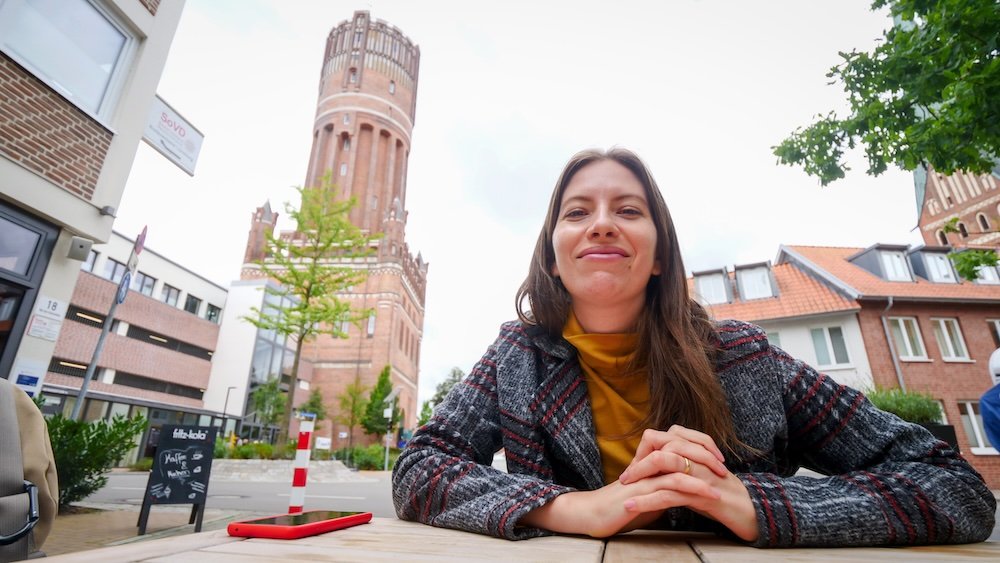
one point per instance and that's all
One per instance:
(603, 252)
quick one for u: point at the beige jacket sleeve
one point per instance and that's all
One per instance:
(39, 464)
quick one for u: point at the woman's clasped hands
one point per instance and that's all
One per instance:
(684, 467)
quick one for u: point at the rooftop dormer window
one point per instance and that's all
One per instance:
(711, 287)
(939, 268)
(754, 281)
(894, 265)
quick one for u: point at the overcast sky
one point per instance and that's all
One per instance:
(507, 93)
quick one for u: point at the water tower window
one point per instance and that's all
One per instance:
(392, 86)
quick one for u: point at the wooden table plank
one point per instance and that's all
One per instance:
(646, 545)
(395, 541)
(721, 551)
(140, 550)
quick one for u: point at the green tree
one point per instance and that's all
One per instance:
(441, 391)
(85, 451)
(268, 401)
(426, 412)
(315, 405)
(927, 96)
(311, 266)
(352, 409)
(374, 422)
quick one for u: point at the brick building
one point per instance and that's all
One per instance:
(923, 328)
(157, 359)
(361, 137)
(974, 200)
(74, 100)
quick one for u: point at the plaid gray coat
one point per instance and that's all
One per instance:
(888, 482)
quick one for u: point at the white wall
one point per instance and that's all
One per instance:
(234, 351)
(796, 339)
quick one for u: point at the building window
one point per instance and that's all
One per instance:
(831, 349)
(894, 264)
(143, 283)
(949, 339)
(392, 86)
(88, 264)
(987, 275)
(963, 231)
(994, 325)
(343, 169)
(774, 339)
(972, 421)
(170, 295)
(906, 336)
(353, 76)
(371, 325)
(711, 288)
(74, 46)
(347, 144)
(192, 304)
(213, 313)
(114, 270)
(984, 223)
(347, 119)
(942, 238)
(754, 283)
(939, 268)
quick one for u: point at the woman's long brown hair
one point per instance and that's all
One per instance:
(675, 334)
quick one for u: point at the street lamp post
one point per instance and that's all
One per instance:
(390, 401)
(225, 413)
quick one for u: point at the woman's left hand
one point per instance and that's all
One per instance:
(675, 460)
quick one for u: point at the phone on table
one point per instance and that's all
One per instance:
(293, 526)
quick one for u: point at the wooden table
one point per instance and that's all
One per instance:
(391, 540)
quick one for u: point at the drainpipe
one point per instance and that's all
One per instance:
(892, 347)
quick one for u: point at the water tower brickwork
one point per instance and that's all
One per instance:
(361, 139)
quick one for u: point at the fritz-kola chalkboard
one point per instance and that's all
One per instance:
(181, 468)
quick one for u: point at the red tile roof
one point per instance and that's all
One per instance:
(798, 295)
(833, 261)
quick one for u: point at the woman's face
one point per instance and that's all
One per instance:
(605, 240)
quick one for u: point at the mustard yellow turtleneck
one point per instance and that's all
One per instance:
(619, 399)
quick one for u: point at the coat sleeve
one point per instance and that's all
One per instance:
(888, 482)
(444, 476)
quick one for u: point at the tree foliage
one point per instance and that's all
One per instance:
(315, 405)
(311, 266)
(441, 391)
(352, 404)
(928, 94)
(85, 451)
(374, 422)
(268, 401)
(426, 411)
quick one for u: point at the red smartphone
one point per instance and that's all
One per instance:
(293, 526)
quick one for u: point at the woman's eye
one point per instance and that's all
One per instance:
(631, 211)
(575, 213)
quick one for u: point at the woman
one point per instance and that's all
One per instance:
(619, 405)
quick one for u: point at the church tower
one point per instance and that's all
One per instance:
(361, 139)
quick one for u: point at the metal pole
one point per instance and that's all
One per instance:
(388, 433)
(225, 408)
(105, 329)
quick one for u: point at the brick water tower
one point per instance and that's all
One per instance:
(361, 137)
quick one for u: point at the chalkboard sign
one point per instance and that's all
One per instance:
(181, 470)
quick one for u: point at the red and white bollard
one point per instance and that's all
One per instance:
(301, 464)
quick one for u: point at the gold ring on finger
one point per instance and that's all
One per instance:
(687, 465)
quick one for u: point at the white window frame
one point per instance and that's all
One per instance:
(745, 277)
(939, 268)
(992, 279)
(718, 281)
(887, 257)
(828, 340)
(948, 353)
(773, 338)
(908, 356)
(978, 447)
(116, 79)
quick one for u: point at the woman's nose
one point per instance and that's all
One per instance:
(603, 225)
